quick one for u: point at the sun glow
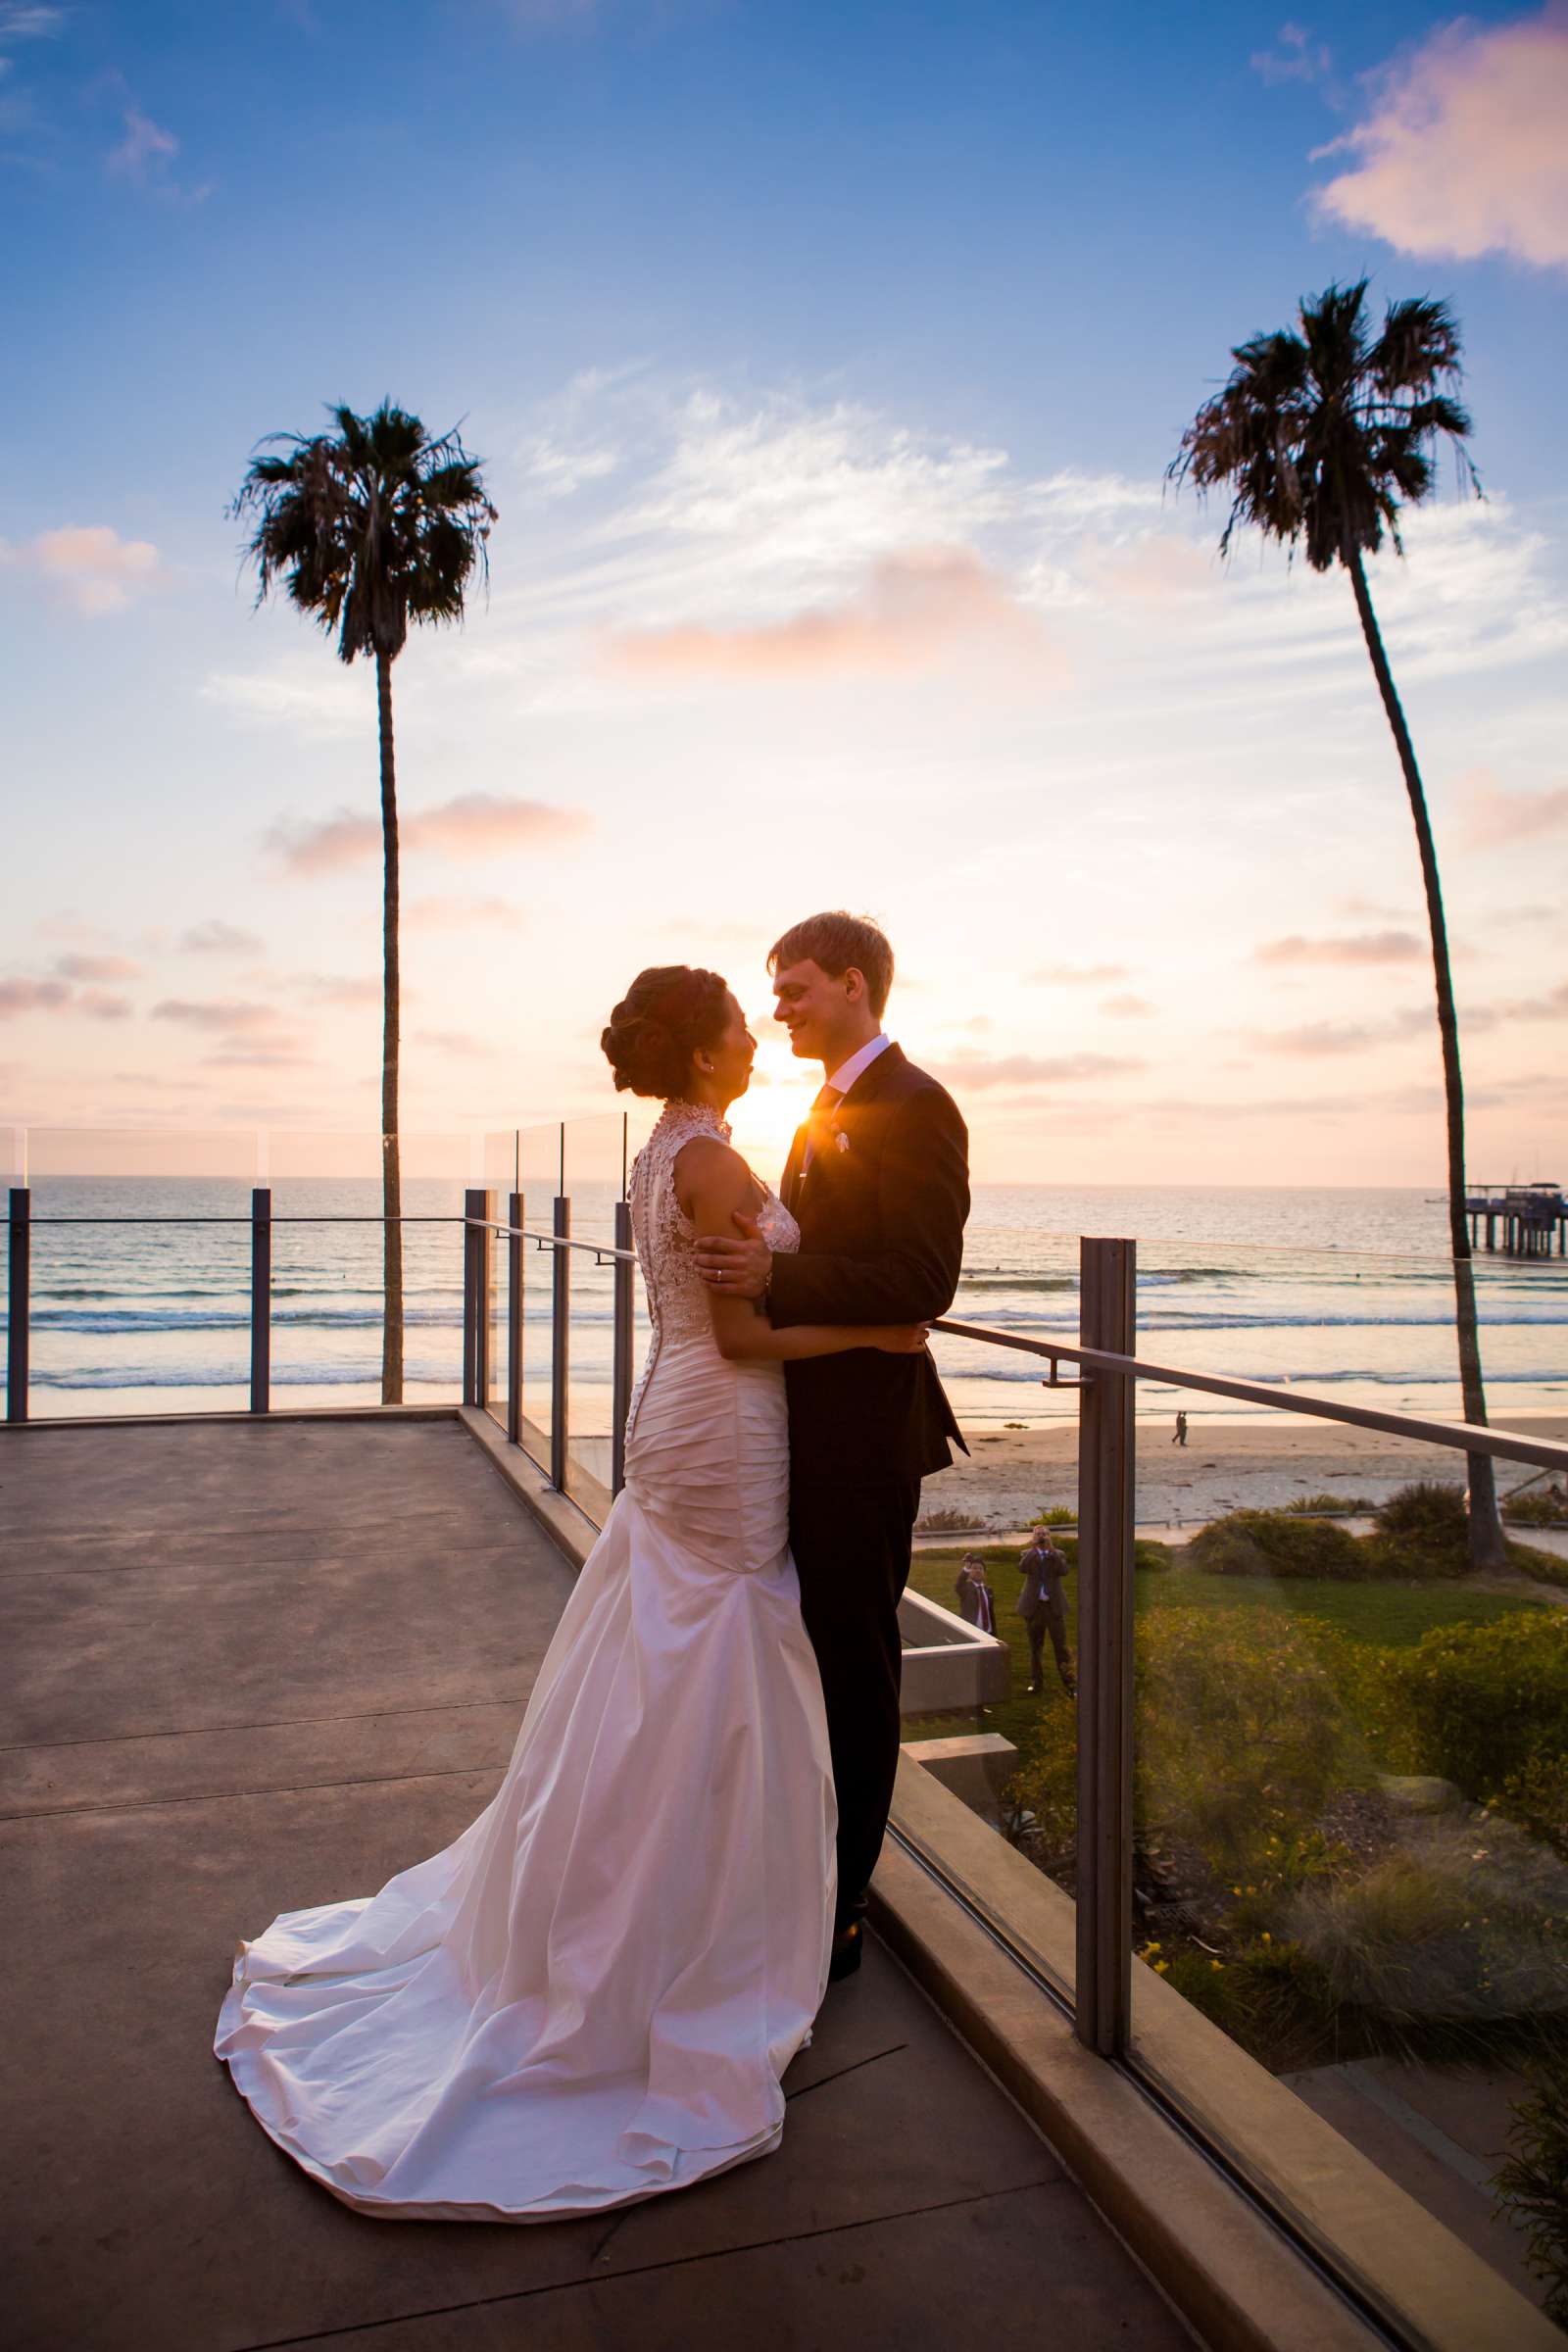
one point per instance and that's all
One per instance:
(765, 1117)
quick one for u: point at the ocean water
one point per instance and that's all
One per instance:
(1346, 1292)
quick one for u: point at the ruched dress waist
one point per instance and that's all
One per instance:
(707, 1454)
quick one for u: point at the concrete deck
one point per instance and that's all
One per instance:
(254, 1667)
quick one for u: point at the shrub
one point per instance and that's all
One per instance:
(1276, 1543)
(1537, 1510)
(1536, 1798)
(1485, 1703)
(1241, 1733)
(1327, 1506)
(1269, 1998)
(1445, 1932)
(1148, 1553)
(945, 1522)
(1240, 1736)
(1423, 1530)
(1055, 1514)
(1532, 2184)
(1046, 1782)
(1545, 1566)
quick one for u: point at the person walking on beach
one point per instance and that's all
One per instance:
(1180, 1439)
(1043, 1606)
(977, 1603)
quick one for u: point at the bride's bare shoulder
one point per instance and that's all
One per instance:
(710, 1169)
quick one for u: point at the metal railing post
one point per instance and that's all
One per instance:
(620, 1375)
(1107, 1271)
(560, 1345)
(19, 1309)
(484, 1361)
(473, 1303)
(514, 1296)
(261, 1298)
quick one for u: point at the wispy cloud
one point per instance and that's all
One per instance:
(96, 967)
(560, 469)
(1366, 947)
(289, 1055)
(20, 24)
(218, 937)
(476, 824)
(1023, 1071)
(918, 609)
(1295, 57)
(1314, 1039)
(228, 1014)
(1462, 150)
(1127, 1007)
(327, 988)
(453, 1041)
(89, 566)
(325, 702)
(145, 150)
(438, 913)
(1494, 814)
(18, 996)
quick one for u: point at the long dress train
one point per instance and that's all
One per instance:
(592, 1995)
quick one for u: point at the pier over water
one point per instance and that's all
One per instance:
(1528, 1217)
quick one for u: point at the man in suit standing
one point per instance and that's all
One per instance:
(1043, 1606)
(878, 1181)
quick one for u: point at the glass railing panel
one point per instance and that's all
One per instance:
(501, 1157)
(140, 1270)
(1010, 1751)
(1371, 1327)
(1351, 1842)
(596, 1163)
(330, 1265)
(539, 1169)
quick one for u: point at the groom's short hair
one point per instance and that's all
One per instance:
(839, 943)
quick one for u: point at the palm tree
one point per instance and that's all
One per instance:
(370, 527)
(1322, 437)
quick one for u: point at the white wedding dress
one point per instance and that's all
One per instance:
(591, 1995)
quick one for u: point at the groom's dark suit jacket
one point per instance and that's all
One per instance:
(881, 1210)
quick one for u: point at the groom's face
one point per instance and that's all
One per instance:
(817, 1010)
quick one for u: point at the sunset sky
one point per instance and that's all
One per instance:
(825, 361)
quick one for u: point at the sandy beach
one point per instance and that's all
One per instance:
(1223, 1467)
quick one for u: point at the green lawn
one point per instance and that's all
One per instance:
(1391, 1614)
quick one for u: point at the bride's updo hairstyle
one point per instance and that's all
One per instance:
(668, 1014)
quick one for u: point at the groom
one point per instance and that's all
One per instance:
(878, 1181)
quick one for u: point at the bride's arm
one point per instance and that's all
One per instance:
(712, 1182)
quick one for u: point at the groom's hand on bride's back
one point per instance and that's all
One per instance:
(740, 1268)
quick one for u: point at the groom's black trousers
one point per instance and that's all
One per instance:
(851, 1550)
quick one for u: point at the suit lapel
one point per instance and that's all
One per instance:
(871, 1083)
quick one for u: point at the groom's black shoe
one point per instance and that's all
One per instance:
(845, 1955)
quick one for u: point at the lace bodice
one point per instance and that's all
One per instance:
(677, 1296)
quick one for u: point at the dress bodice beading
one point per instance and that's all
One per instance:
(706, 1438)
(667, 1240)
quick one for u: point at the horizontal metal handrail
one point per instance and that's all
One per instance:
(1462, 1435)
(603, 1252)
(246, 1217)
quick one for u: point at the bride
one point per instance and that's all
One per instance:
(592, 1995)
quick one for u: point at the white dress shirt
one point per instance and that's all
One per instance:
(859, 1063)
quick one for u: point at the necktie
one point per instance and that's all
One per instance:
(816, 1126)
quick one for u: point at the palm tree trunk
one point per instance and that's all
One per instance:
(1487, 1548)
(391, 1144)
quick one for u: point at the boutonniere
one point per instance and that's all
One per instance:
(841, 1139)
